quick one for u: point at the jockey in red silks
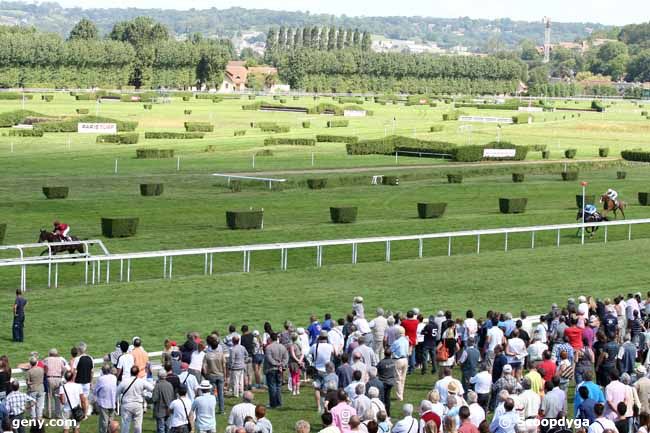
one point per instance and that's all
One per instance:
(62, 230)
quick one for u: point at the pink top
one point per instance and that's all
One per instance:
(341, 414)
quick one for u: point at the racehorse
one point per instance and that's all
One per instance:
(50, 237)
(593, 218)
(611, 205)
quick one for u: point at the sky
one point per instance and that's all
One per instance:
(601, 11)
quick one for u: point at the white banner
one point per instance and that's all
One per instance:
(499, 153)
(354, 113)
(531, 109)
(484, 119)
(97, 128)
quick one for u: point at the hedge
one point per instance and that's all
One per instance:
(512, 205)
(326, 108)
(148, 106)
(199, 127)
(644, 113)
(597, 105)
(264, 125)
(186, 98)
(317, 183)
(520, 151)
(56, 192)
(279, 129)
(173, 135)
(154, 153)
(521, 119)
(620, 175)
(25, 133)
(636, 155)
(130, 138)
(388, 146)
(16, 117)
(343, 215)
(570, 153)
(119, 227)
(47, 98)
(518, 177)
(272, 141)
(151, 189)
(3, 232)
(431, 210)
(306, 124)
(70, 125)
(264, 152)
(455, 178)
(240, 132)
(644, 200)
(235, 185)
(589, 199)
(338, 123)
(546, 154)
(390, 180)
(244, 220)
(337, 139)
(603, 152)
(252, 107)
(82, 111)
(13, 96)
(436, 128)
(187, 112)
(85, 97)
(569, 175)
(204, 96)
(451, 115)
(350, 100)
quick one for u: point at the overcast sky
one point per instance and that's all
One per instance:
(602, 11)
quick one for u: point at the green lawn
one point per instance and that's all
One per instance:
(191, 211)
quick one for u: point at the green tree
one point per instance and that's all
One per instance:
(331, 39)
(639, 67)
(297, 38)
(314, 39)
(349, 36)
(282, 38)
(611, 58)
(323, 41)
(529, 51)
(306, 37)
(356, 39)
(340, 39)
(366, 42)
(84, 30)
(271, 40)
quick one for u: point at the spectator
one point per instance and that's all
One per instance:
(428, 415)
(302, 426)
(263, 423)
(328, 426)
(476, 411)
(105, 392)
(506, 422)
(188, 381)
(179, 411)
(72, 396)
(203, 408)
(35, 378)
(131, 398)
(407, 424)
(240, 411)
(386, 373)
(19, 317)
(237, 367)
(276, 359)
(585, 410)
(378, 325)
(124, 363)
(140, 357)
(482, 386)
(342, 412)
(17, 403)
(83, 371)
(602, 423)
(215, 370)
(466, 425)
(55, 367)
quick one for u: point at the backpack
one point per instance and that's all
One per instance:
(442, 353)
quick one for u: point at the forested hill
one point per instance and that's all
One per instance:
(475, 34)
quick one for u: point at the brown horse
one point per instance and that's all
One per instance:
(50, 237)
(611, 205)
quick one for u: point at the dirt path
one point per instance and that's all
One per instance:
(379, 169)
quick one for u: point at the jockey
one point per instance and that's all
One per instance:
(590, 209)
(62, 230)
(613, 195)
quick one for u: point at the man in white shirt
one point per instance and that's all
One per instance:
(124, 363)
(188, 380)
(536, 350)
(482, 386)
(495, 337)
(470, 324)
(378, 326)
(131, 397)
(529, 400)
(71, 395)
(367, 354)
(240, 411)
(408, 424)
(476, 412)
(360, 402)
(601, 423)
(442, 386)
(203, 408)
(336, 339)
(320, 353)
(180, 412)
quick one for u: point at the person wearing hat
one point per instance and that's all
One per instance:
(443, 385)
(188, 380)
(203, 408)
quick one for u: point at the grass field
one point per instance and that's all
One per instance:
(191, 211)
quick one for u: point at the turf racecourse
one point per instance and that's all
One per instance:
(190, 213)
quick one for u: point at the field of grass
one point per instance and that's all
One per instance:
(191, 213)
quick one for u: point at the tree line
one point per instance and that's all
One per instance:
(139, 52)
(317, 38)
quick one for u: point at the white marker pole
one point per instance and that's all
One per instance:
(116, 166)
(178, 163)
(312, 159)
(12, 147)
(253, 160)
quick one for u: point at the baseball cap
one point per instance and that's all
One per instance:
(507, 369)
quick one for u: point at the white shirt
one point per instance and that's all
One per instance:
(239, 412)
(178, 409)
(631, 306)
(530, 401)
(482, 382)
(378, 326)
(335, 338)
(197, 360)
(406, 425)
(476, 414)
(518, 347)
(321, 356)
(536, 350)
(74, 391)
(442, 385)
(496, 335)
(190, 384)
(125, 363)
(419, 337)
(583, 309)
(471, 326)
(362, 325)
(605, 424)
(540, 331)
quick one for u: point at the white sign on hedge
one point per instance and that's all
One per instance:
(97, 128)
(354, 113)
(531, 109)
(499, 153)
(485, 119)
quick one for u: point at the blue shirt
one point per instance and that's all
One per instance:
(400, 347)
(509, 326)
(203, 407)
(505, 423)
(105, 391)
(586, 410)
(313, 331)
(595, 393)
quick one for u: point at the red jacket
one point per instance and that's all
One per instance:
(411, 328)
(62, 227)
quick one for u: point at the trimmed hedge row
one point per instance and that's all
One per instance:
(25, 133)
(343, 215)
(569, 175)
(16, 117)
(199, 127)
(306, 124)
(431, 210)
(56, 192)
(245, 220)
(278, 129)
(570, 153)
(512, 205)
(522, 119)
(644, 200)
(603, 152)
(325, 108)
(436, 128)
(264, 124)
(3, 232)
(636, 155)
(338, 123)
(151, 189)
(154, 153)
(518, 177)
(317, 183)
(173, 135)
(239, 132)
(82, 111)
(390, 180)
(620, 175)
(337, 139)
(86, 97)
(130, 138)
(119, 227)
(455, 178)
(272, 141)
(13, 96)
(70, 125)
(350, 100)
(47, 98)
